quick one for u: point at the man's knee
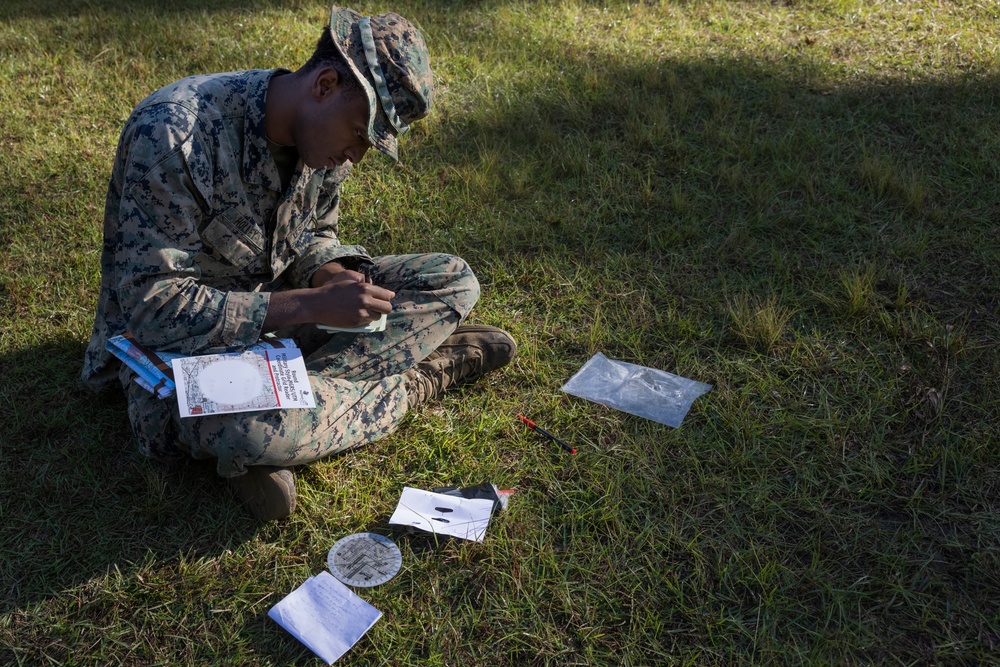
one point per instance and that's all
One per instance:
(466, 279)
(454, 281)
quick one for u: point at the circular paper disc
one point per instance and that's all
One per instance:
(364, 559)
(230, 381)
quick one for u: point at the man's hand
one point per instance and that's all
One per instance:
(326, 273)
(338, 298)
(345, 299)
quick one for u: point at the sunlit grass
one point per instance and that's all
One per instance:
(794, 202)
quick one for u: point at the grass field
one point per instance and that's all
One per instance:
(795, 202)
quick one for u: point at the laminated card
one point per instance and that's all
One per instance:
(443, 514)
(214, 384)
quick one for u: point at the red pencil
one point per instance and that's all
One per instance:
(538, 429)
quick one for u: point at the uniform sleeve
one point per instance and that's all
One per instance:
(321, 243)
(166, 184)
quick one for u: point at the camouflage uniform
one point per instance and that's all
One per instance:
(197, 233)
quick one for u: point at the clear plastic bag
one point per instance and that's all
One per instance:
(637, 390)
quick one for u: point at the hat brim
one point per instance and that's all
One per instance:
(347, 38)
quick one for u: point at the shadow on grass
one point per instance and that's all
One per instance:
(667, 187)
(732, 166)
(78, 500)
(679, 182)
(708, 178)
(13, 9)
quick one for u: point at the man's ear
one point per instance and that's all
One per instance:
(325, 81)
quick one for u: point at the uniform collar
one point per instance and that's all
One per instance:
(258, 166)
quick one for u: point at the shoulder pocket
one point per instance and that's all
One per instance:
(235, 237)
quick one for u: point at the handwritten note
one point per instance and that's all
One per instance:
(325, 615)
(443, 514)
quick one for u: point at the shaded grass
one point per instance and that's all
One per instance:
(794, 202)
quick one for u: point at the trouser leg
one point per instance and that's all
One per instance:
(356, 378)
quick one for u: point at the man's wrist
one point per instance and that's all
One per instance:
(290, 308)
(323, 273)
(330, 269)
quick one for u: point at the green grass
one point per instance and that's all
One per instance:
(796, 202)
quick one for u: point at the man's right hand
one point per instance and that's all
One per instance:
(346, 300)
(342, 299)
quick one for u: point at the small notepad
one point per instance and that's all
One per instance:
(372, 327)
(325, 615)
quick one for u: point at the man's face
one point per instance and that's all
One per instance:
(333, 127)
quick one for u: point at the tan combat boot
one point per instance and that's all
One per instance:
(269, 491)
(464, 356)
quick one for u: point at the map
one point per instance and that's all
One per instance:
(242, 382)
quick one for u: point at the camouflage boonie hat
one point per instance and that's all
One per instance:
(389, 58)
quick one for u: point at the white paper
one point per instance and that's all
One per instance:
(443, 514)
(241, 382)
(374, 326)
(325, 615)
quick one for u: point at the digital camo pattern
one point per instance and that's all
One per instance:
(405, 62)
(197, 234)
(356, 379)
(196, 228)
